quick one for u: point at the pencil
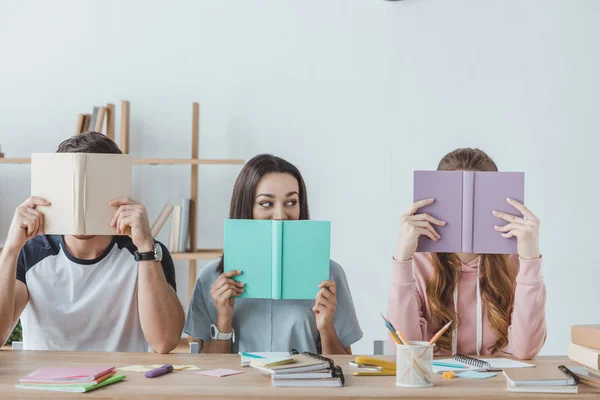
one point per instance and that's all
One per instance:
(402, 338)
(389, 325)
(439, 333)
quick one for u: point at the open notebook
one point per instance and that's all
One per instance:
(477, 364)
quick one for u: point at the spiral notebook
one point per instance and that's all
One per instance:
(467, 363)
(328, 374)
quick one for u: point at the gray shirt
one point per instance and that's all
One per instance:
(272, 325)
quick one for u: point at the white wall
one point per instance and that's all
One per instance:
(356, 93)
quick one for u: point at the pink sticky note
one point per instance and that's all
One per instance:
(220, 372)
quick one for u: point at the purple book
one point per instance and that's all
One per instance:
(465, 200)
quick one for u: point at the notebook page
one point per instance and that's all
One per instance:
(496, 363)
(502, 363)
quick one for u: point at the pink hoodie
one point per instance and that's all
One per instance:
(408, 308)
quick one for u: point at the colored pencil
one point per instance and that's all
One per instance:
(439, 333)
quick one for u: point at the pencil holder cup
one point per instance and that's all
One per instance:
(414, 365)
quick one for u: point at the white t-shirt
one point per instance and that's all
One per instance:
(82, 305)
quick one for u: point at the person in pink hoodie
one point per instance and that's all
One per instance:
(496, 302)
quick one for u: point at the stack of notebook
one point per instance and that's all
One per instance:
(585, 350)
(306, 369)
(75, 380)
(549, 379)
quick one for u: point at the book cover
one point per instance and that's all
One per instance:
(278, 259)
(73, 388)
(61, 373)
(79, 187)
(93, 118)
(162, 218)
(542, 389)
(184, 226)
(539, 376)
(465, 200)
(584, 355)
(586, 335)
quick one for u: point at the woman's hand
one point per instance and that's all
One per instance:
(412, 226)
(325, 305)
(526, 230)
(223, 292)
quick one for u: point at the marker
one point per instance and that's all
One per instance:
(165, 369)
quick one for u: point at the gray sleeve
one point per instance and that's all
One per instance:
(345, 320)
(198, 320)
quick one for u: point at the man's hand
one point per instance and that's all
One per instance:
(26, 224)
(131, 219)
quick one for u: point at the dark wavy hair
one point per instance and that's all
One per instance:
(89, 142)
(244, 190)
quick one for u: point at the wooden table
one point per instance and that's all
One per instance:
(251, 384)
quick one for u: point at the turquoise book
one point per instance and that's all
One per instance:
(278, 259)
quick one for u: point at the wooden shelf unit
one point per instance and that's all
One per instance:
(150, 161)
(193, 254)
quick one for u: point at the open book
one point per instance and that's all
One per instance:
(465, 201)
(278, 259)
(79, 187)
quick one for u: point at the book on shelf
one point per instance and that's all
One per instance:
(79, 187)
(465, 201)
(161, 219)
(184, 226)
(93, 118)
(586, 335)
(175, 227)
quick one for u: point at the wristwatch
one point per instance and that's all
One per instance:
(154, 255)
(215, 334)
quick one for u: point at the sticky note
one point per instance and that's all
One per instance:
(476, 375)
(220, 372)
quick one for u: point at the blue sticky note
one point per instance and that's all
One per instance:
(476, 375)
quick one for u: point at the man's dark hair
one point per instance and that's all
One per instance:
(89, 142)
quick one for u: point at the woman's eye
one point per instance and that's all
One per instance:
(291, 203)
(266, 204)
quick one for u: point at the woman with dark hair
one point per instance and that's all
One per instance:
(269, 187)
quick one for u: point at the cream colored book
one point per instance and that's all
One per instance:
(162, 218)
(175, 227)
(585, 355)
(79, 187)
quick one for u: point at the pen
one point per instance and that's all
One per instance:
(250, 355)
(165, 369)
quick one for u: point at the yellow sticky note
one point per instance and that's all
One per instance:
(136, 368)
(177, 367)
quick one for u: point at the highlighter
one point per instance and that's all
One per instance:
(165, 369)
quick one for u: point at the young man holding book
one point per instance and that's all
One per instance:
(89, 293)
